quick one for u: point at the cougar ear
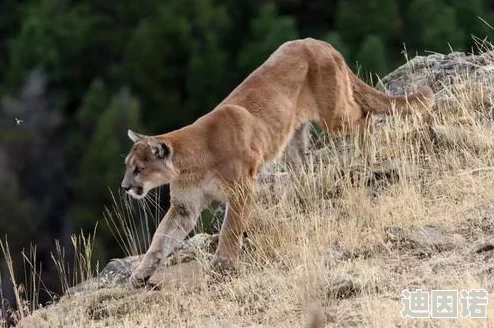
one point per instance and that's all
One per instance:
(159, 148)
(135, 136)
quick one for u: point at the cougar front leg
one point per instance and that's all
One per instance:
(175, 226)
(236, 219)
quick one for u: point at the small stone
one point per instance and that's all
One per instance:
(118, 271)
(382, 176)
(193, 248)
(487, 223)
(394, 234)
(335, 254)
(484, 247)
(433, 239)
(118, 267)
(424, 239)
(187, 275)
(343, 286)
(201, 241)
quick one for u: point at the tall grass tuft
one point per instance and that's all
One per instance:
(82, 267)
(27, 290)
(132, 222)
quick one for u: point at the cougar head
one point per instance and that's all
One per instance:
(148, 165)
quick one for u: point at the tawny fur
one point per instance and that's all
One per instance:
(218, 156)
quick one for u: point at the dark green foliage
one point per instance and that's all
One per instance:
(445, 33)
(93, 105)
(337, 42)
(267, 32)
(472, 16)
(356, 19)
(86, 118)
(102, 162)
(206, 73)
(52, 37)
(167, 50)
(102, 168)
(372, 55)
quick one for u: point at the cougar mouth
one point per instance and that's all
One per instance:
(137, 192)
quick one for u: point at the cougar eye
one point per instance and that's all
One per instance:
(138, 169)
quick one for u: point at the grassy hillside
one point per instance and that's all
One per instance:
(343, 234)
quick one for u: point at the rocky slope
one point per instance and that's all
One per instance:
(424, 221)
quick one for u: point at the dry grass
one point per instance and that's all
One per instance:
(132, 223)
(434, 169)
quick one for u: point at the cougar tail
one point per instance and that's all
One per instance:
(374, 101)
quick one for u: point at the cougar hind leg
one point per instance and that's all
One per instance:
(357, 130)
(295, 154)
(364, 144)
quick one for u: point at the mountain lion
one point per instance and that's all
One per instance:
(218, 156)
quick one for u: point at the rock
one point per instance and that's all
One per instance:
(189, 275)
(118, 271)
(379, 177)
(424, 239)
(343, 286)
(382, 176)
(487, 223)
(394, 234)
(430, 238)
(440, 71)
(119, 268)
(193, 248)
(484, 247)
(335, 254)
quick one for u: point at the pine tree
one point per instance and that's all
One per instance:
(355, 19)
(102, 164)
(372, 55)
(469, 14)
(267, 32)
(93, 104)
(163, 55)
(9, 20)
(85, 121)
(206, 73)
(440, 36)
(51, 38)
(337, 42)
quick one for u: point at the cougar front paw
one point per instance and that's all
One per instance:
(139, 278)
(223, 265)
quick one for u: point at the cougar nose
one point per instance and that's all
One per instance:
(125, 187)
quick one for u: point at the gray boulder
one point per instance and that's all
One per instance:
(117, 271)
(441, 72)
